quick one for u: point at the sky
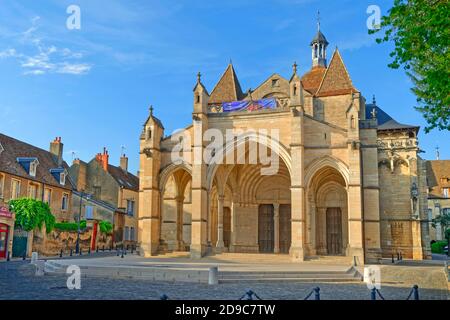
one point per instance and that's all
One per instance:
(93, 86)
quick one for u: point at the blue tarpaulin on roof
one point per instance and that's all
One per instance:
(248, 105)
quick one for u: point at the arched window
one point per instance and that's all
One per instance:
(149, 134)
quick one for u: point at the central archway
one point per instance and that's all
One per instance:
(259, 206)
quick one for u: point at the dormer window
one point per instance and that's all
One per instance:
(29, 165)
(60, 174)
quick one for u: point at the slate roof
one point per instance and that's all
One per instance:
(125, 179)
(228, 88)
(14, 149)
(385, 121)
(438, 177)
(319, 37)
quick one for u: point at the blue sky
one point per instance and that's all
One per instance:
(93, 86)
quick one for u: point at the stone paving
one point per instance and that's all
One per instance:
(17, 281)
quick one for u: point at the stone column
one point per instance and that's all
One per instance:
(220, 243)
(297, 173)
(234, 206)
(180, 242)
(276, 227)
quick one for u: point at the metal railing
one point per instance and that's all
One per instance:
(251, 295)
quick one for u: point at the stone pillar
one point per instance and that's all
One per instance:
(297, 170)
(149, 213)
(276, 227)
(220, 243)
(199, 228)
(180, 242)
(234, 206)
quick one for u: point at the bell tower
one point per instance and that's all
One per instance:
(319, 47)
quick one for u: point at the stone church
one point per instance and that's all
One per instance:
(350, 181)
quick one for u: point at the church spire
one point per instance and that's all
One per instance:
(319, 47)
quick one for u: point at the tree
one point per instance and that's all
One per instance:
(441, 219)
(420, 30)
(32, 214)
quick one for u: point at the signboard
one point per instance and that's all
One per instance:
(4, 212)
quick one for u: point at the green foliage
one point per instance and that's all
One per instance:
(442, 219)
(70, 226)
(438, 246)
(105, 227)
(32, 214)
(447, 234)
(420, 31)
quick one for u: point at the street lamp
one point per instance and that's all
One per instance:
(77, 247)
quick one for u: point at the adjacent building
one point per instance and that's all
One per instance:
(113, 185)
(438, 177)
(28, 171)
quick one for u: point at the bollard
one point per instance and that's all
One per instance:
(103, 248)
(122, 254)
(393, 258)
(89, 250)
(24, 256)
(373, 294)
(8, 258)
(317, 293)
(213, 276)
(34, 257)
(163, 297)
(71, 251)
(128, 247)
(81, 251)
(96, 250)
(416, 292)
(61, 253)
(132, 248)
(401, 256)
(398, 256)
(110, 248)
(118, 252)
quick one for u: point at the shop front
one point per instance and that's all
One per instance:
(6, 232)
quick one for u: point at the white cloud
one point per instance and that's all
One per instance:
(67, 68)
(48, 59)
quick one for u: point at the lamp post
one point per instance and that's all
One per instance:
(77, 247)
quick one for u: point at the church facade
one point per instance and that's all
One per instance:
(348, 178)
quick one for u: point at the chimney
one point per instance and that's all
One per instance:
(81, 174)
(124, 163)
(103, 159)
(56, 148)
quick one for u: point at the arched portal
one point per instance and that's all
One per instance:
(259, 207)
(176, 214)
(327, 213)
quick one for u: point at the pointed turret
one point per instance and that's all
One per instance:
(201, 96)
(228, 88)
(296, 89)
(319, 46)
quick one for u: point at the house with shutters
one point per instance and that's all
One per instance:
(27, 171)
